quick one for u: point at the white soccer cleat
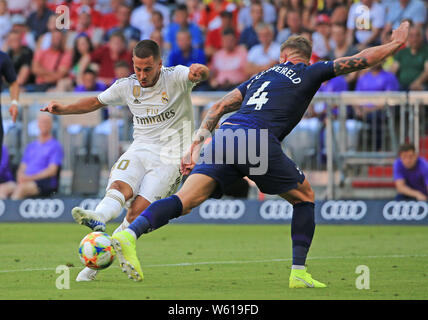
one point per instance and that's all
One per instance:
(88, 218)
(86, 274)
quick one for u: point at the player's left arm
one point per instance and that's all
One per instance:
(198, 72)
(374, 55)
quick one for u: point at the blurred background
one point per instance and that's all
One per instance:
(346, 144)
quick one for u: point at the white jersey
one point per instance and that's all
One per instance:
(163, 114)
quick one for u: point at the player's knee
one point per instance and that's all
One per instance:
(132, 214)
(123, 188)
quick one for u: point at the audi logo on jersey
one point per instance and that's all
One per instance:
(343, 210)
(222, 209)
(41, 208)
(276, 210)
(405, 210)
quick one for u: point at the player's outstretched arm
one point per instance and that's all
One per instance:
(230, 102)
(374, 55)
(83, 105)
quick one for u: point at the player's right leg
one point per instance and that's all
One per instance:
(195, 190)
(138, 205)
(125, 178)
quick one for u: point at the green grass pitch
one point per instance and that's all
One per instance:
(219, 262)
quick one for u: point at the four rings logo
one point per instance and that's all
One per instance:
(41, 208)
(405, 210)
(89, 204)
(2, 207)
(276, 210)
(222, 209)
(343, 210)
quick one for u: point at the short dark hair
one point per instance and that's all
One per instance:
(406, 147)
(121, 64)
(147, 48)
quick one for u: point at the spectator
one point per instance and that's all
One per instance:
(82, 50)
(375, 79)
(185, 54)
(121, 70)
(213, 40)
(27, 38)
(321, 37)
(157, 37)
(194, 9)
(327, 7)
(131, 33)
(38, 20)
(228, 64)
(249, 35)
(79, 6)
(19, 7)
(21, 57)
(284, 8)
(106, 56)
(340, 15)
(157, 22)
(51, 65)
(86, 25)
(264, 55)
(410, 174)
(5, 170)
(295, 26)
(245, 19)
(90, 83)
(366, 20)
(181, 21)
(413, 10)
(210, 17)
(111, 18)
(5, 21)
(141, 17)
(39, 167)
(411, 63)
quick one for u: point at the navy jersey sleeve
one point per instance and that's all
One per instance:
(321, 71)
(243, 87)
(7, 69)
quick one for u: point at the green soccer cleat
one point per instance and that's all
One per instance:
(302, 279)
(124, 245)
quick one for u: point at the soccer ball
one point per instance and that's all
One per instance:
(96, 251)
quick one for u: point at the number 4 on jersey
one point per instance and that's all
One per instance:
(259, 97)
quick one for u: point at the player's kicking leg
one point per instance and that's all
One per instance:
(302, 232)
(196, 189)
(138, 205)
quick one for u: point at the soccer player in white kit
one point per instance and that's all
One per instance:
(159, 99)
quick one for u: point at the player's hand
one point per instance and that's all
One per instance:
(421, 197)
(190, 158)
(400, 34)
(54, 108)
(13, 110)
(198, 72)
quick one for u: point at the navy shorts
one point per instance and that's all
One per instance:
(236, 151)
(45, 187)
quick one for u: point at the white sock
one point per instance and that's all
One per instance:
(125, 224)
(295, 266)
(131, 232)
(111, 205)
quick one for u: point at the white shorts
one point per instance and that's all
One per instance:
(142, 169)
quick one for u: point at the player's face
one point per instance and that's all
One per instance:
(147, 70)
(408, 158)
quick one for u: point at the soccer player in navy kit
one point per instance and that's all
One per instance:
(275, 99)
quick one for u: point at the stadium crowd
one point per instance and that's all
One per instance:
(236, 39)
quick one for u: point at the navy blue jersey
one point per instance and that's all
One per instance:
(277, 98)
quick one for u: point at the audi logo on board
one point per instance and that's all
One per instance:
(276, 210)
(41, 208)
(343, 210)
(89, 204)
(2, 207)
(405, 210)
(222, 209)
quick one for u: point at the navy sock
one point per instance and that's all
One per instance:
(157, 215)
(302, 230)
